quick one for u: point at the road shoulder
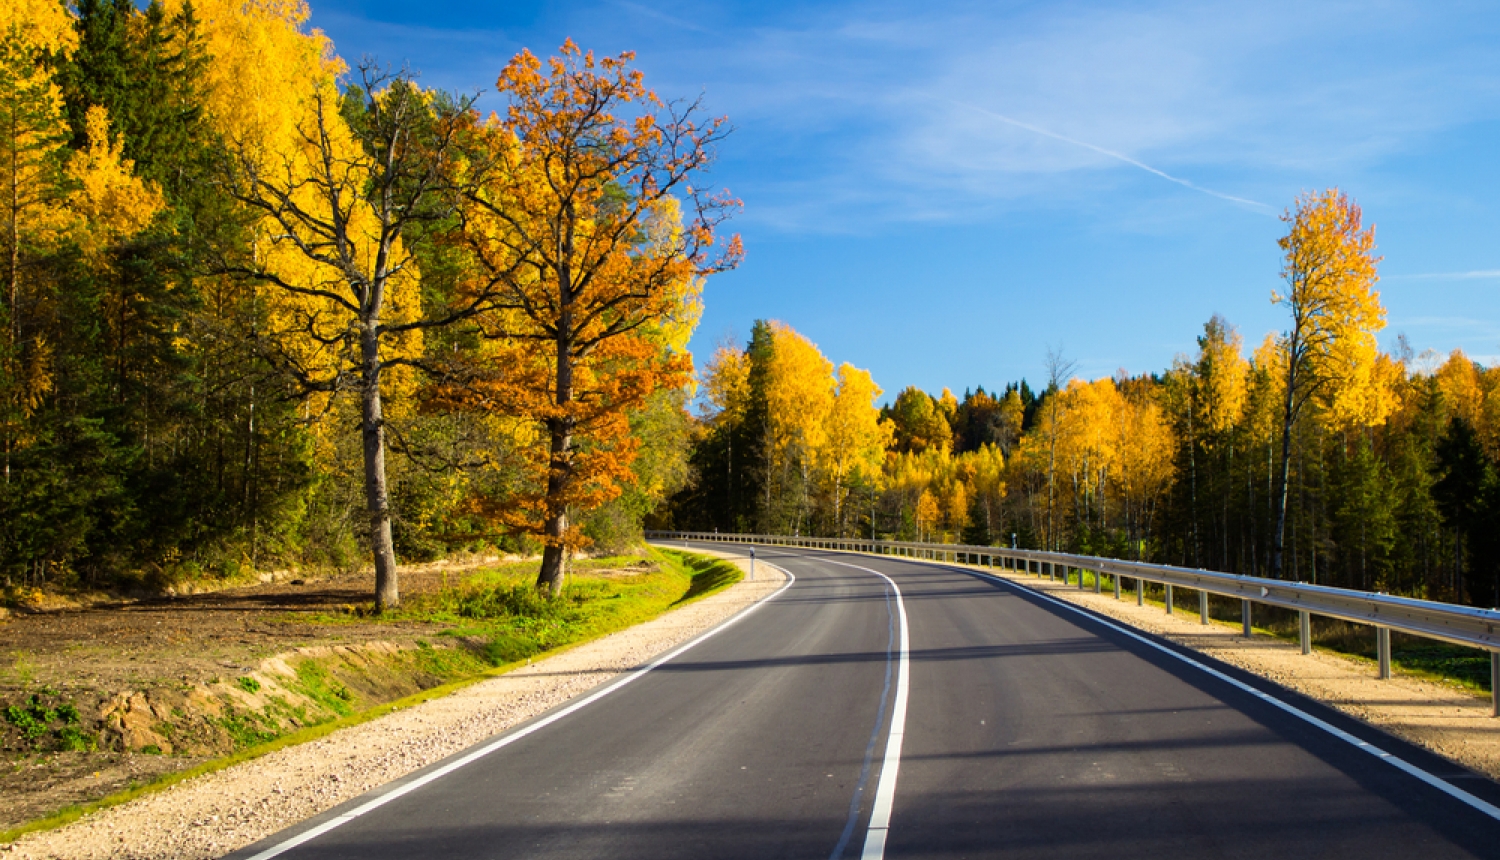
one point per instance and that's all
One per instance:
(220, 812)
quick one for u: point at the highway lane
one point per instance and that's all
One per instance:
(1032, 731)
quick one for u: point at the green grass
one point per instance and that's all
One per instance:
(502, 607)
(487, 605)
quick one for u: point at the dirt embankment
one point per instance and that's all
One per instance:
(94, 700)
(211, 815)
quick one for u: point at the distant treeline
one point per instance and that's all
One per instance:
(1390, 461)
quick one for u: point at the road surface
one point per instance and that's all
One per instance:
(1023, 729)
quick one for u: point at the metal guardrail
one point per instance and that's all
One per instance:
(1460, 625)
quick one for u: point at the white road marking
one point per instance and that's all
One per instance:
(885, 790)
(506, 740)
(1364, 746)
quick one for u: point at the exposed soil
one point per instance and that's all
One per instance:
(217, 813)
(119, 693)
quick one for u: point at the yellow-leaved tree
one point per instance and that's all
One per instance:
(336, 180)
(797, 388)
(1330, 349)
(854, 439)
(34, 188)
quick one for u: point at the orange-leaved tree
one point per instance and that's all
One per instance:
(578, 207)
(1330, 347)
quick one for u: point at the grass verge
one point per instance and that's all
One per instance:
(499, 604)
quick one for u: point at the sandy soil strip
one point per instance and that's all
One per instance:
(1448, 721)
(221, 812)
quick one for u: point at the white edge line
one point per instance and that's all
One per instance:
(1364, 746)
(890, 765)
(507, 740)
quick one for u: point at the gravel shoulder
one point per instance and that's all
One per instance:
(220, 812)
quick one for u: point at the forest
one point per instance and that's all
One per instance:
(1314, 456)
(265, 310)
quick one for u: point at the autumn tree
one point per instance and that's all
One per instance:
(918, 422)
(854, 438)
(33, 158)
(336, 200)
(574, 210)
(1330, 271)
(792, 383)
(725, 384)
(1059, 370)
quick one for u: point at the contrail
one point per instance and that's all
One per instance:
(1118, 156)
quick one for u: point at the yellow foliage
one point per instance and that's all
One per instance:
(1220, 377)
(799, 394)
(262, 70)
(1331, 348)
(854, 438)
(113, 203)
(928, 513)
(726, 383)
(1463, 392)
(1268, 367)
(42, 24)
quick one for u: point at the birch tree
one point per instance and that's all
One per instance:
(1330, 348)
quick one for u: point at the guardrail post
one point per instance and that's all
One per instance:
(1140, 591)
(1202, 606)
(1116, 578)
(1495, 683)
(1304, 630)
(1169, 598)
(1383, 651)
(1245, 618)
(1098, 581)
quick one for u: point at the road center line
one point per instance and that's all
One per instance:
(885, 790)
(508, 739)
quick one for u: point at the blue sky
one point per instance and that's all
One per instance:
(941, 191)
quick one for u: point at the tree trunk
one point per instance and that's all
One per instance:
(559, 467)
(1278, 498)
(12, 314)
(1051, 472)
(377, 496)
(1193, 485)
(550, 578)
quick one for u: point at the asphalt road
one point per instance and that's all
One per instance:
(1031, 730)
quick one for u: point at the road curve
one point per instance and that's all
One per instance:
(1031, 730)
